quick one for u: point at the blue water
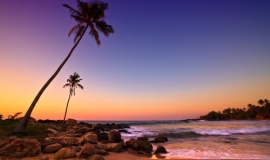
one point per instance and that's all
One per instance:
(206, 139)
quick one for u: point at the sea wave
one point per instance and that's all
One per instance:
(189, 134)
(228, 131)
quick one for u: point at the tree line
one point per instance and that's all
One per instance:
(252, 112)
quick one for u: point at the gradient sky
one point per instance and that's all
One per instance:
(168, 59)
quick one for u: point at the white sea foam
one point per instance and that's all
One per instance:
(210, 139)
(232, 131)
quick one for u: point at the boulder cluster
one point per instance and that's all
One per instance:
(81, 140)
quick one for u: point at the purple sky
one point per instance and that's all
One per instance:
(189, 52)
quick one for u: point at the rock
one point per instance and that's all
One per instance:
(139, 153)
(53, 141)
(52, 148)
(124, 131)
(142, 138)
(161, 139)
(111, 147)
(87, 150)
(90, 138)
(101, 152)
(102, 136)
(83, 130)
(85, 124)
(138, 145)
(44, 158)
(160, 149)
(95, 157)
(18, 148)
(76, 148)
(114, 135)
(71, 122)
(124, 126)
(96, 126)
(64, 153)
(52, 131)
(73, 141)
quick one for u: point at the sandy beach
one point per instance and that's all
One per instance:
(111, 156)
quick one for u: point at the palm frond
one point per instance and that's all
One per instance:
(66, 85)
(78, 33)
(94, 33)
(77, 18)
(72, 10)
(80, 86)
(83, 6)
(73, 29)
(103, 27)
(89, 14)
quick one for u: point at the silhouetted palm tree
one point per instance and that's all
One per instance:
(73, 82)
(261, 102)
(88, 15)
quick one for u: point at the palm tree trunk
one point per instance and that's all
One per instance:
(22, 125)
(67, 107)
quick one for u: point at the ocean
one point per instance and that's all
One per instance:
(205, 139)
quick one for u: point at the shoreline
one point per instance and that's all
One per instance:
(112, 156)
(181, 145)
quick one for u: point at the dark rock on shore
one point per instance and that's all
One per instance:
(160, 139)
(83, 130)
(65, 153)
(71, 122)
(139, 153)
(114, 136)
(108, 126)
(52, 148)
(18, 148)
(53, 141)
(142, 138)
(87, 150)
(95, 157)
(85, 124)
(90, 138)
(123, 131)
(101, 152)
(48, 121)
(142, 147)
(73, 141)
(160, 149)
(102, 136)
(71, 138)
(111, 147)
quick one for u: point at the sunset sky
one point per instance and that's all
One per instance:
(168, 59)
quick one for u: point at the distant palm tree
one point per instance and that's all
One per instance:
(261, 102)
(89, 15)
(73, 82)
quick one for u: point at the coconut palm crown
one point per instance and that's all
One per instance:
(89, 14)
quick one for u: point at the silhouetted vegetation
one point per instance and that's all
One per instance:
(72, 83)
(260, 111)
(39, 132)
(15, 116)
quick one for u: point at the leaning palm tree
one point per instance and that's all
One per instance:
(72, 82)
(88, 15)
